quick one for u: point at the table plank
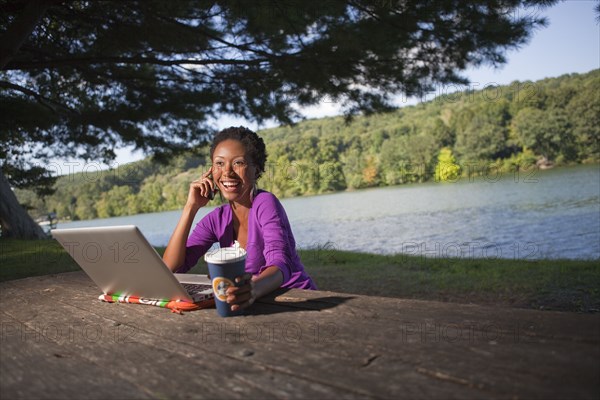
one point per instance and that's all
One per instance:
(162, 368)
(38, 368)
(336, 344)
(229, 342)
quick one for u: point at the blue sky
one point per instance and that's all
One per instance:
(569, 43)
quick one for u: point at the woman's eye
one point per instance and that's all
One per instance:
(218, 164)
(239, 163)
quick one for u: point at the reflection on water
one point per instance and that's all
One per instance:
(555, 215)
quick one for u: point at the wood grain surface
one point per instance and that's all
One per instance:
(59, 341)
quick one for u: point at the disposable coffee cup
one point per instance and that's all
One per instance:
(224, 265)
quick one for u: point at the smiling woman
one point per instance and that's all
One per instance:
(254, 218)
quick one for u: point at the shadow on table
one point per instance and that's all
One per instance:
(278, 303)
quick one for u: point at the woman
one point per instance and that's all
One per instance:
(255, 218)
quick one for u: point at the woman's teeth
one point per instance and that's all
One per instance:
(230, 185)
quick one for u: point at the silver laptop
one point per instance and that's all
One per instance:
(120, 261)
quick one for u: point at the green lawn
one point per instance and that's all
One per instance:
(565, 285)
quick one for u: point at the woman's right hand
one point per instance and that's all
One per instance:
(198, 196)
(201, 190)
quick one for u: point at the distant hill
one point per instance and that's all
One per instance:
(553, 121)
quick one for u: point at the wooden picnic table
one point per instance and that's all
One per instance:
(59, 341)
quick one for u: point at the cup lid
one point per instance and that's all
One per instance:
(226, 255)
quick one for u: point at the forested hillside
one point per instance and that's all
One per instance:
(506, 127)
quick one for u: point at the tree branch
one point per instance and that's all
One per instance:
(240, 47)
(24, 65)
(46, 102)
(21, 28)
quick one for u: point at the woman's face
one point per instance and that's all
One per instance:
(233, 171)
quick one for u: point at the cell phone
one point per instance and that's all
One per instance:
(211, 195)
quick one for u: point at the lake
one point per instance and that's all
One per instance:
(540, 214)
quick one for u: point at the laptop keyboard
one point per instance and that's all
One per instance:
(193, 288)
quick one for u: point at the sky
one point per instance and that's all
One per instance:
(569, 43)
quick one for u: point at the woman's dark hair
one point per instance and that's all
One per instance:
(254, 145)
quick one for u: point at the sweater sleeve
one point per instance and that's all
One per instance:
(275, 226)
(200, 241)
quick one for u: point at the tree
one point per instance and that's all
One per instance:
(484, 136)
(117, 201)
(441, 132)
(418, 153)
(446, 168)
(584, 113)
(81, 78)
(547, 133)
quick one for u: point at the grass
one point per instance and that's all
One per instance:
(565, 285)
(25, 258)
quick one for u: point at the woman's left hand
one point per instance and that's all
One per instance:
(242, 295)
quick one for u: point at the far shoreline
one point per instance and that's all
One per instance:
(462, 180)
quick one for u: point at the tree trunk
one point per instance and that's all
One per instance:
(15, 221)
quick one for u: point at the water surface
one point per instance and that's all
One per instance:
(546, 214)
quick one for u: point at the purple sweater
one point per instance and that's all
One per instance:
(270, 240)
